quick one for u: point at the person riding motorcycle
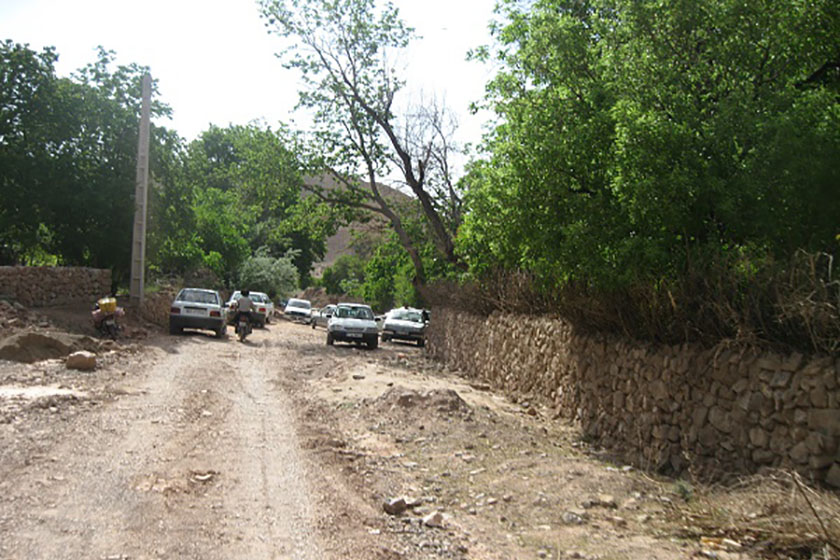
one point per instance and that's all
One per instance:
(244, 306)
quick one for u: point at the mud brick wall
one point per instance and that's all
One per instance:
(669, 408)
(42, 286)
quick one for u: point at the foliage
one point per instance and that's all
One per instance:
(68, 149)
(345, 51)
(345, 276)
(642, 146)
(264, 273)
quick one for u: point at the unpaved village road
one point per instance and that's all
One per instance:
(197, 448)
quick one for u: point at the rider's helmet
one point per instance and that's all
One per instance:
(245, 293)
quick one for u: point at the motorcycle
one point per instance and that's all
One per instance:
(105, 314)
(243, 327)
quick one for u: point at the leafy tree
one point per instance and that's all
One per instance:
(638, 140)
(343, 50)
(274, 276)
(345, 276)
(68, 148)
(251, 170)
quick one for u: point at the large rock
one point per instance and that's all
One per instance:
(81, 360)
(833, 476)
(30, 347)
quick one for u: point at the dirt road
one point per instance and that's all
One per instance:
(192, 447)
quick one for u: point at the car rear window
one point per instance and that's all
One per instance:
(299, 303)
(195, 296)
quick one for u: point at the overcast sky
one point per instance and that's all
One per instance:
(215, 62)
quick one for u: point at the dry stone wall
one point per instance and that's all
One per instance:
(41, 286)
(670, 408)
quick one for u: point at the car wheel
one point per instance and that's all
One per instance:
(175, 329)
(329, 339)
(385, 338)
(373, 343)
(221, 331)
(421, 343)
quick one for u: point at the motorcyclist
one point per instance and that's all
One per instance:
(244, 306)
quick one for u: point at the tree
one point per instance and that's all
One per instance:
(68, 148)
(637, 140)
(343, 51)
(274, 276)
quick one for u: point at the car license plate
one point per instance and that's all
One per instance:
(194, 311)
(354, 335)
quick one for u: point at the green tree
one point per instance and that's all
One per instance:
(638, 138)
(344, 51)
(274, 276)
(345, 276)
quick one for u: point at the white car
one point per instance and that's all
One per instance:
(259, 314)
(405, 323)
(353, 322)
(298, 309)
(264, 304)
(196, 308)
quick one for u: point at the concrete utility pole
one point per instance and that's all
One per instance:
(138, 247)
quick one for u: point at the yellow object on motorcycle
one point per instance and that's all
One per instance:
(108, 304)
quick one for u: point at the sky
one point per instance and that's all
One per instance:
(215, 62)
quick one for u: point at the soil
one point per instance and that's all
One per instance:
(282, 447)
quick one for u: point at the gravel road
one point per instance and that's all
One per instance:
(196, 458)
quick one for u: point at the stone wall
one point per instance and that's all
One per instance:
(670, 408)
(155, 308)
(41, 286)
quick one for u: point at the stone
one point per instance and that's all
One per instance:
(819, 462)
(825, 421)
(607, 501)
(719, 418)
(572, 518)
(763, 456)
(799, 453)
(780, 379)
(793, 362)
(699, 416)
(819, 398)
(81, 360)
(395, 506)
(434, 519)
(758, 437)
(659, 390)
(832, 477)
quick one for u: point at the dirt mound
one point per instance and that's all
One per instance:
(30, 347)
(439, 400)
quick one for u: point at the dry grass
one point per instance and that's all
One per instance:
(774, 513)
(792, 305)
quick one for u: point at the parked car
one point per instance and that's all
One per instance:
(258, 314)
(405, 323)
(197, 308)
(298, 309)
(353, 322)
(262, 301)
(321, 317)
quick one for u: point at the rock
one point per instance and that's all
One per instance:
(719, 418)
(81, 360)
(799, 453)
(832, 478)
(572, 518)
(826, 421)
(434, 519)
(395, 506)
(758, 437)
(607, 501)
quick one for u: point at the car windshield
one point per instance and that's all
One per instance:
(259, 298)
(197, 296)
(407, 315)
(354, 313)
(299, 303)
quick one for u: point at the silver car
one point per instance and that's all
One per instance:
(405, 323)
(196, 308)
(321, 317)
(353, 322)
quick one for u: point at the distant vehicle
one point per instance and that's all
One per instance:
(321, 317)
(259, 313)
(353, 322)
(197, 308)
(298, 309)
(405, 323)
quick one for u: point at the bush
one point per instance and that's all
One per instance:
(263, 273)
